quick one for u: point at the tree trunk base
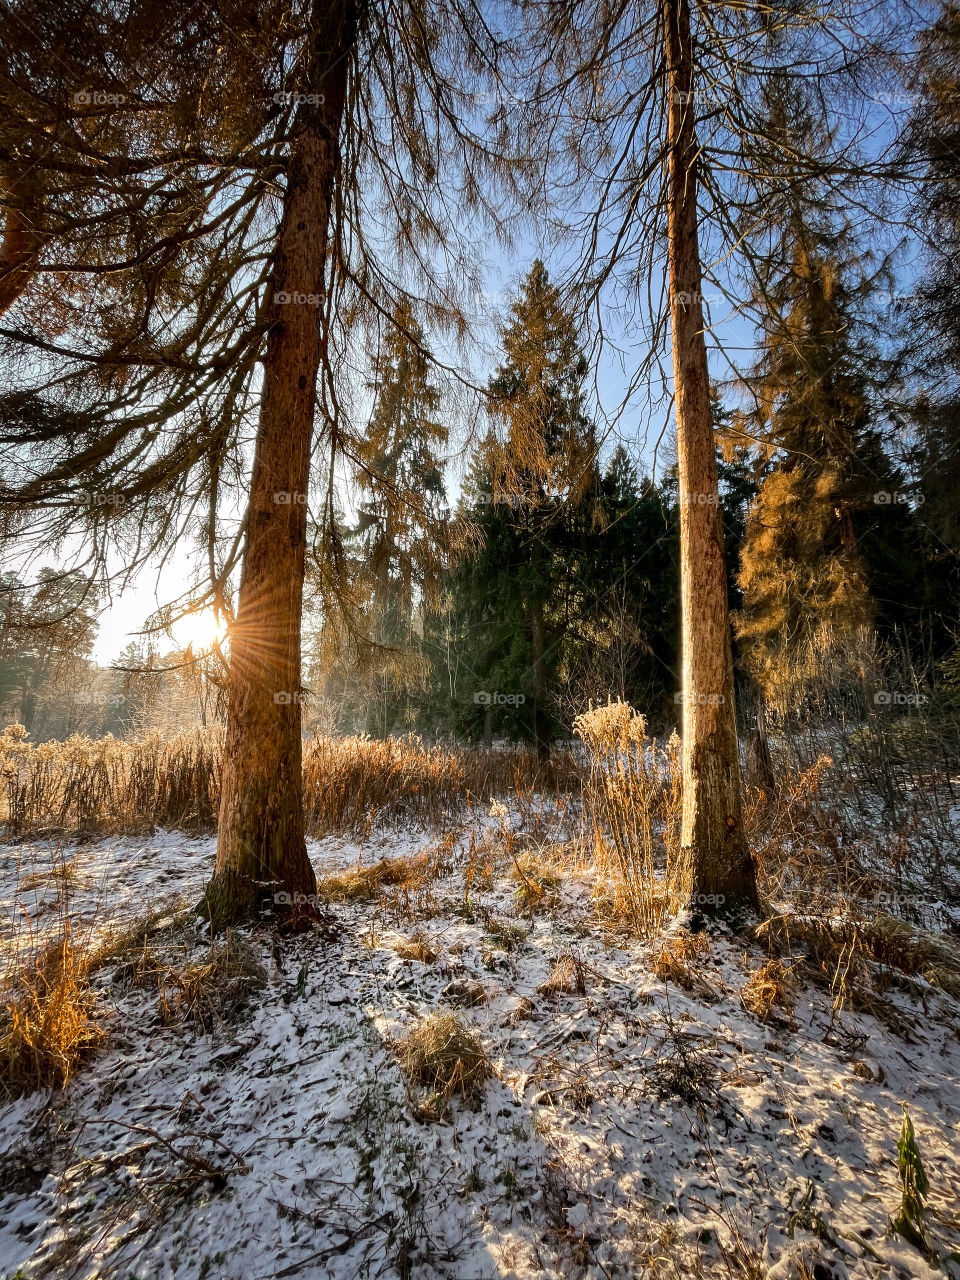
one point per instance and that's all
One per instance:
(231, 898)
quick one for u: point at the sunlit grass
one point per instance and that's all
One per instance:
(110, 785)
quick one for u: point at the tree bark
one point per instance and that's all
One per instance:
(261, 845)
(715, 864)
(760, 758)
(21, 243)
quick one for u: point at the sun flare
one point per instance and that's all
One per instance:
(200, 630)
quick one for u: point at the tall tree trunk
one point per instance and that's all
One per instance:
(261, 847)
(21, 243)
(716, 866)
(760, 759)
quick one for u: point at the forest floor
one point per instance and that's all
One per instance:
(651, 1109)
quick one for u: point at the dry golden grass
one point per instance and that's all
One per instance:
(47, 1017)
(567, 977)
(634, 800)
(676, 959)
(120, 941)
(65, 874)
(770, 986)
(131, 945)
(416, 947)
(105, 784)
(442, 1055)
(856, 957)
(506, 934)
(537, 879)
(349, 783)
(366, 884)
(214, 990)
(896, 944)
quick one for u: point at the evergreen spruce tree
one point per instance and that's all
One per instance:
(533, 494)
(399, 541)
(630, 647)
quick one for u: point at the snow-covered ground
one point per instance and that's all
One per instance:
(636, 1129)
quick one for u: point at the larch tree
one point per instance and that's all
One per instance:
(820, 570)
(718, 863)
(661, 108)
(221, 203)
(806, 597)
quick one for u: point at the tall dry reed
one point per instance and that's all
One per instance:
(634, 802)
(109, 785)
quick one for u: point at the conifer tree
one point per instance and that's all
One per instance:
(398, 547)
(533, 495)
(402, 513)
(629, 647)
(814, 565)
(206, 211)
(802, 576)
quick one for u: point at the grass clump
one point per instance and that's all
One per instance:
(47, 1018)
(769, 987)
(214, 990)
(537, 882)
(507, 934)
(567, 977)
(859, 958)
(443, 1056)
(635, 805)
(366, 884)
(416, 947)
(677, 957)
